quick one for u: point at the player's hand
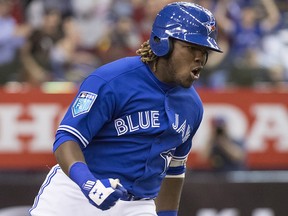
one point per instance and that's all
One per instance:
(104, 193)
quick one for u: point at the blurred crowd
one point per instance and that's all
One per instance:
(65, 40)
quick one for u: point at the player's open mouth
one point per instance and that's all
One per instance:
(195, 73)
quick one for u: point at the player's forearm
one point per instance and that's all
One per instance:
(169, 195)
(72, 162)
(67, 154)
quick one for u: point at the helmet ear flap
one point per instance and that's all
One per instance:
(161, 46)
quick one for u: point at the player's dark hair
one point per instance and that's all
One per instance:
(146, 53)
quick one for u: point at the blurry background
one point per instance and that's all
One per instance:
(239, 160)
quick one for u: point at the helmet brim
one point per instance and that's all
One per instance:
(199, 40)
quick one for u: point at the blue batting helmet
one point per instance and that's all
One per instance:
(184, 21)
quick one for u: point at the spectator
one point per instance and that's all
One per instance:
(223, 152)
(62, 53)
(121, 40)
(35, 54)
(246, 23)
(274, 57)
(92, 20)
(35, 10)
(12, 37)
(121, 8)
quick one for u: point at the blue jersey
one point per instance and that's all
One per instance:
(129, 124)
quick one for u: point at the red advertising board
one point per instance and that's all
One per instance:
(29, 119)
(258, 117)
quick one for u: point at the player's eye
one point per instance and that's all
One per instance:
(194, 48)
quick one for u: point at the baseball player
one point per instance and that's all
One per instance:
(122, 146)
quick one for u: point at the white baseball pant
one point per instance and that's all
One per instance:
(59, 196)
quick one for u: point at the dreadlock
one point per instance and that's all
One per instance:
(146, 53)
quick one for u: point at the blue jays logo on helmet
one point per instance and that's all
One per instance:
(210, 27)
(211, 24)
(184, 21)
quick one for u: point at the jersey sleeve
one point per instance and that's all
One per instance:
(91, 108)
(177, 165)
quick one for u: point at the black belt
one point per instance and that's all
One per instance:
(131, 197)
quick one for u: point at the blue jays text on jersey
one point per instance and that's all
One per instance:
(129, 124)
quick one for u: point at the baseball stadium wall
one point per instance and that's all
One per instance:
(30, 117)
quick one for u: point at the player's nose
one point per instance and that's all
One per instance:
(200, 57)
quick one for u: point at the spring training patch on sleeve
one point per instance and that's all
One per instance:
(83, 103)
